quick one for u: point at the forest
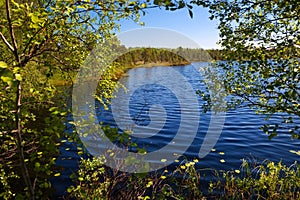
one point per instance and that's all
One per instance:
(178, 56)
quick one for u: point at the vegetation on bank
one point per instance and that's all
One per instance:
(267, 180)
(135, 57)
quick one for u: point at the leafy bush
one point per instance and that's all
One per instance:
(266, 181)
(96, 181)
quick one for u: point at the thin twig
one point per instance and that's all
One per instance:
(6, 42)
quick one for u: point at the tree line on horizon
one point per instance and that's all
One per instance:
(181, 56)
(177, 56)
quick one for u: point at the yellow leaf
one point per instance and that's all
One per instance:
(293, 151)
(57, 174)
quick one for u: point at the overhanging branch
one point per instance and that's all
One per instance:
(6, 42)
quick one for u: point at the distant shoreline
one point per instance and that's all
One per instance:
(123, 71)
(158, 64)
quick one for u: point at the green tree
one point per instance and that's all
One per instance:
(37, 38)
(261, 45)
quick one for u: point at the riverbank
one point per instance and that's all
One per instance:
(116, 72)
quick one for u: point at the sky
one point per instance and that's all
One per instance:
(199, 29)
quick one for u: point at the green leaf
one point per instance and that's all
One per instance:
(18, 77)
(80, 179)
(73, 176)
(70, 189)
(3, 65)
(7, 80)
(37, 165)
(35, 19)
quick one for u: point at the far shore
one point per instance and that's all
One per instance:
(123, 72)
(158, 64)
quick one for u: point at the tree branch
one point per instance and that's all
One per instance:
(11, 31)
(18, 107)
(6, 42)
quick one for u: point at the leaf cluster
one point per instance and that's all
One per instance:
(261, 53)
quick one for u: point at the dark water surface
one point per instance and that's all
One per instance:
(156, 109)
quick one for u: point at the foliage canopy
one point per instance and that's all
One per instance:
(261, 41)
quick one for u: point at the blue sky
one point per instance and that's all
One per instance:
(199, 28)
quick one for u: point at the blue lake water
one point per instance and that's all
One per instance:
(156, 113)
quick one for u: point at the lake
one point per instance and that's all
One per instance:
(160, 102)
